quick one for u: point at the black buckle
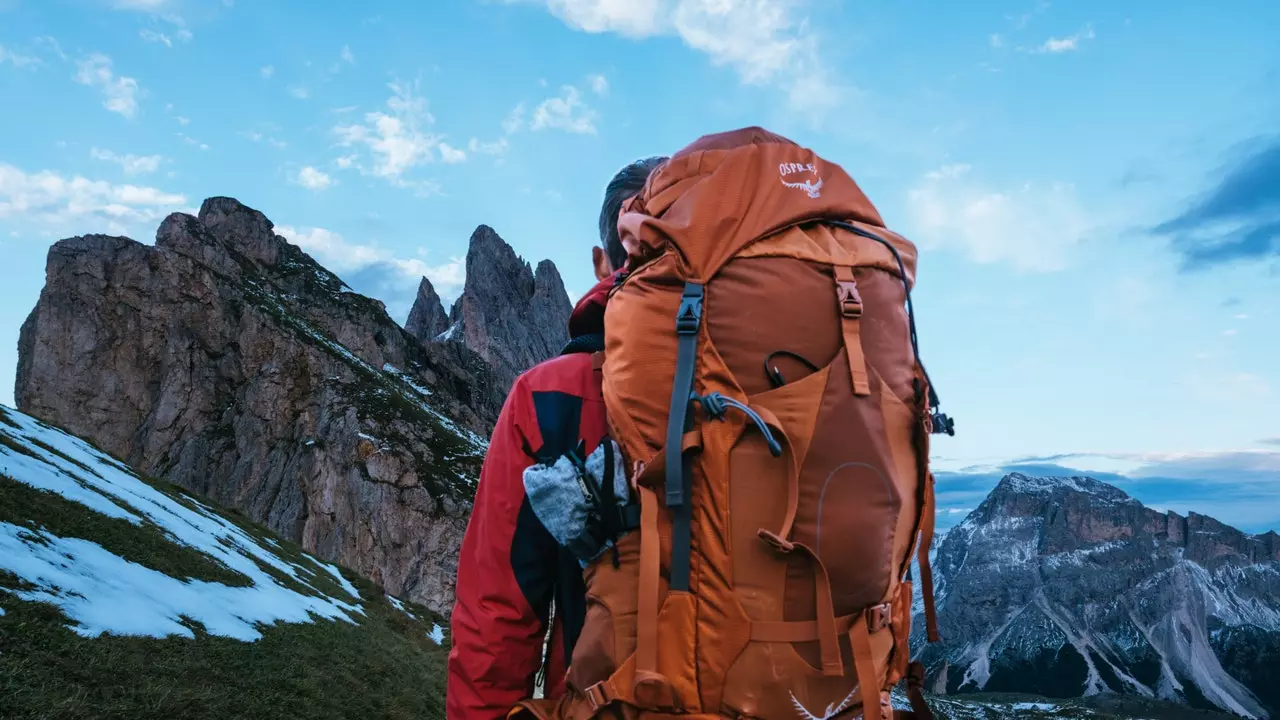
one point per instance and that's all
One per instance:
(942, 424)
(690, 315)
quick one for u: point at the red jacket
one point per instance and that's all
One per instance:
(510, 567)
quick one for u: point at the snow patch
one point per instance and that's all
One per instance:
(395, 602)
(436, 634)
(101, 592)
(1046, 707)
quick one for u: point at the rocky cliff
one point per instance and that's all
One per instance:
(226, 360)
(1069, 587)
(508, 313)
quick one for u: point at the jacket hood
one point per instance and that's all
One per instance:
(588, 315)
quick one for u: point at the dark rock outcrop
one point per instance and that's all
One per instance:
(510, 315)
(227, 361)
(1067, 587)
(427, 319)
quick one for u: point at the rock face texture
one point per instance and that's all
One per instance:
(1068, 587)
(227, 361)
(510, 315)
(427, 319)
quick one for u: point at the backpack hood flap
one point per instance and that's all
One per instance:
(736, 186)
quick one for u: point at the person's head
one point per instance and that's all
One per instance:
(610, 255)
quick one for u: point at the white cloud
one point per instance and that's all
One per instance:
(299, 92)
(379, 270)
(398, 140)
(996, 41)
(599, 84)
(17, 60)
(566, 112)
(50, 198)
(765, 41)
(346, 56)
(183, 121)
(154, 36)
(1070, 43)
(515, 120)
(1033, 228)
(130, 164)
(120, 92)
(192, 141)
(313, 179)
(267, 71)
(495, 148)
(255, 136)
(451, 154)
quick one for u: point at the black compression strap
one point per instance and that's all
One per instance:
(688, 321)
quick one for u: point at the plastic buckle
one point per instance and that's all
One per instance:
(850, 299)
(690, 315)
(776, 542)
(879, 617)
(598, 697)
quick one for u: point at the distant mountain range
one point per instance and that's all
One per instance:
(1068, 587)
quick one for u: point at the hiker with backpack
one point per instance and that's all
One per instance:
(511, 566)
(769, 413)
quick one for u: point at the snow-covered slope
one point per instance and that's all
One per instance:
(102, 571)
(1069, 587)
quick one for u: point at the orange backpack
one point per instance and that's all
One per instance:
(762, 379)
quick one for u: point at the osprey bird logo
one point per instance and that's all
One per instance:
(832, 709)
(812, 189)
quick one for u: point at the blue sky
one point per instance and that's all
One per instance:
(1095, 186)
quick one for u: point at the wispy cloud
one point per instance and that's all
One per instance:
(1238, 218)
(192, 141)
(299, 92)
(767, 42)
(50, 198)
(130, 164)
(375, 271)
(996, 41)
(266, 71)
(313, 179)
(1033, 228)
(599, 84)
(566, 111)
(397, 140)
(120, 93)
(255, 136)
(1070, 43)
(155, 36)
(16, 59)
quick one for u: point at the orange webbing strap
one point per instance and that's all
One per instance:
(926, 571)
(795, 631)
(828, 635)
(901, 632)
(851, 314)
(782, 539)
(648, 600)
(865, 664)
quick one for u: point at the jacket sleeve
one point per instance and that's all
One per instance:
(506, 578)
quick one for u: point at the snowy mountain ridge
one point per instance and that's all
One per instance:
(1068, 587)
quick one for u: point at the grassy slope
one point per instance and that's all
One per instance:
(385, 667)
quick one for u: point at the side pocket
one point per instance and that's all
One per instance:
(608, 634)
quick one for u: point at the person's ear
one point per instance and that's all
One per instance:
(600, 259)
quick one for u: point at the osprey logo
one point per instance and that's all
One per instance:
(812, 189)
(832, 709)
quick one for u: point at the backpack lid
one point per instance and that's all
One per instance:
(737, 187)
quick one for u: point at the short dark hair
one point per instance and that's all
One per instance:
(629, 181)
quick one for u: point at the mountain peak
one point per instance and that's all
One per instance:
(510, 315)
(427, 318)
(1022, 484)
